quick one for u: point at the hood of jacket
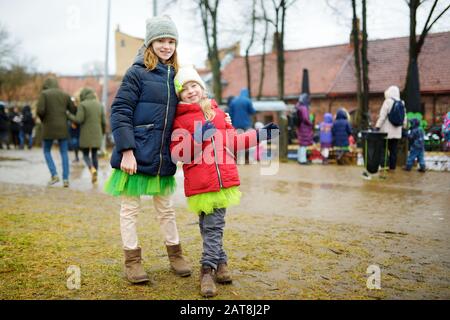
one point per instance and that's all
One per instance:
(393, 92)
(304, 99)
(87, 94)
(414, 123)
(139, 59)
(328, 118)
(244, 93)
(341, 114)
(50, 83)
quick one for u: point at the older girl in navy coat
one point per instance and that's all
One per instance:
(142, 115)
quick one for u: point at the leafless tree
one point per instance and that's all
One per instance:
(280, 8)
(266, 21)
(249, 46)
(209, 15)
(411, 91)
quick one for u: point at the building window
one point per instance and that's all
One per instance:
(122, 43)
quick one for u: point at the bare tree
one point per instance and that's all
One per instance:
(357, 59)
(266, 21)
(411, 91)
(280, 8)
(249, 45)
(360, 52)
(12, 81)
(209, 15)
(365, 70)
(6, 47)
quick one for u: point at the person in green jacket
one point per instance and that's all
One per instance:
(91, 118)
(51, 109)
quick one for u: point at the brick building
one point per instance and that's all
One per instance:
(332, 75)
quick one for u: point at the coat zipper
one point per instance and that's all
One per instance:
(151, 125)
(217, 166)
(215, 160)
(165, 119)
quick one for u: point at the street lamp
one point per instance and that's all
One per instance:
(106, 74)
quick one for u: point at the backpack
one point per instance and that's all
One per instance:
(397, 114)
(295, 117)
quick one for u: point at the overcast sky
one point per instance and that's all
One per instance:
(65, 35)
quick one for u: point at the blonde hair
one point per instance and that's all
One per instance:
(206, 105)
(151, 59)
(76, 97)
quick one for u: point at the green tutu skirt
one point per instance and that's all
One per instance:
(123, 184)
(207, 202)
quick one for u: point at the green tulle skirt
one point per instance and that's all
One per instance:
(123, 184)
(207, 202)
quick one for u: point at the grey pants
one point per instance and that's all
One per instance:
(211, 229)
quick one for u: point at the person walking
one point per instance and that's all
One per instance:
(91, 118)
(51, 109)
(142, 116)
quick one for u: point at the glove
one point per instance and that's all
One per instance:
(203, 133)
(268, 132)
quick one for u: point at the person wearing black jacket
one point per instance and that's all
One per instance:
(27, 126)
(4, 127)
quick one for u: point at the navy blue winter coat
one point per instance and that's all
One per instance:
(142, 116)
(240, 110)
(341, 129)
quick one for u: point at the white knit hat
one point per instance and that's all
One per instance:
(186, 74)
(160, 27)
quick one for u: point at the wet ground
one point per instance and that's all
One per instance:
(302, 232)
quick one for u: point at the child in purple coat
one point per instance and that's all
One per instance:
(326, 136)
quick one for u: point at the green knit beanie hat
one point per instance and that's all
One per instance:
(160, 27)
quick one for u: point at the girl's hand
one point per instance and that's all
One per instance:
(228, 118)
(128, 164)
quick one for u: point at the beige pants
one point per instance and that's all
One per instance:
(129, 211)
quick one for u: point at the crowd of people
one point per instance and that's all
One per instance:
(16, 127)
(75, 123)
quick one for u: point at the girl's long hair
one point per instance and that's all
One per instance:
(206, 105)
(151, 59)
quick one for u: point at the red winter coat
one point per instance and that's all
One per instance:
(209, 166)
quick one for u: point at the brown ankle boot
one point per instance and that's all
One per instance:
(177, 262)
(223, 275)
(134, 270)
(207, 285)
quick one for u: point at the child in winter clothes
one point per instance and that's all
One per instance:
(341, 130)
(207, 145)
(446, 131)
(141, 120)
(417, 146)
(326, 136)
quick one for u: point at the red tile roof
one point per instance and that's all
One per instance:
(71, 84)
(331, 69)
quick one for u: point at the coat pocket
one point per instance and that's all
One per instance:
(144, 143)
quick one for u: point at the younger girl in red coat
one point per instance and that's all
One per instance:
(207, 144)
